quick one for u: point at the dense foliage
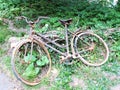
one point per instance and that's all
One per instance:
(100, 14)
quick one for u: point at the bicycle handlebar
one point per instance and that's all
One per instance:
(40, 17)
(36, 21)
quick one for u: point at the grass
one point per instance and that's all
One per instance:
(3, 34)
(89, 78)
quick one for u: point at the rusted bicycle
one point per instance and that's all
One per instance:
(31, 61)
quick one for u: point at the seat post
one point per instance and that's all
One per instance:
(66, 23)
(66, 38)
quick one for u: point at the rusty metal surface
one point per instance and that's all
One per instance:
(52, 43)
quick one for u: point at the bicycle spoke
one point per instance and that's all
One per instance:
(83, 51)
(84, 41)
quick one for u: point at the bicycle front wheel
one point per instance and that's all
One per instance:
(31, 62)
(91, 49)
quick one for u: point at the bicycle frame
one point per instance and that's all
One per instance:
(32, 34)
(66, 47)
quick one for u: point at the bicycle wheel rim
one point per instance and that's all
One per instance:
(17, 73)
(83, 59)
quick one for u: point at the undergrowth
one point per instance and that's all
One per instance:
(95, 16)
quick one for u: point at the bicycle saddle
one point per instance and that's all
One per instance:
(66, 22)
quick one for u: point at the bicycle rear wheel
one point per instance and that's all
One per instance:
(91, 49)
(31, 62)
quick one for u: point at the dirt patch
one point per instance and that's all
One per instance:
(44, 88)
(111, 76)
(117, 87)
(7, 79)
(54, 73)
(76, 82)
(7, 83)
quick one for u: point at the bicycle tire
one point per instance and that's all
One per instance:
(18, 57)
(84, 49)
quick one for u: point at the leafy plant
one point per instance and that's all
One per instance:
(43, 61)
(30, 58)
(31, 70)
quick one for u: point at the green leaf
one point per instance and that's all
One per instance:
(29, 58)
(26, 58)
(37, 70)
(30, 72)
(30, 67)
(40, 63)
(44, 60)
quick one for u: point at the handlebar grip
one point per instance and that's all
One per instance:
(41, 17)
(22, 17)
